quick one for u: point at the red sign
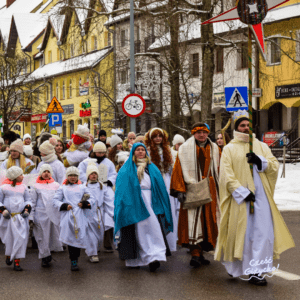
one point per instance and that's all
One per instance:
(15, 114)
(270, 137)
(85, 113)
(40, 118)
(133, 105)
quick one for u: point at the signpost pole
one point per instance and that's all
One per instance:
(250, 104)
(132, 79)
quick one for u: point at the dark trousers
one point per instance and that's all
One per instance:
(74, 252)
(109, 238)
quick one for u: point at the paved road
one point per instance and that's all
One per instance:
(110, 280)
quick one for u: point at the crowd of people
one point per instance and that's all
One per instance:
(143, 198)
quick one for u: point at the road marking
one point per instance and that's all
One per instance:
(286, 275)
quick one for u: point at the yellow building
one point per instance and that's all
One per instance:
(279, 77)
(70, 57)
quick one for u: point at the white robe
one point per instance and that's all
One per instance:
(259, 238)
(45, 231)
(74, 158)
(150, 240)
(4, 164)
(72, 194)
(14, 232)
(59, 170)
(104, 205)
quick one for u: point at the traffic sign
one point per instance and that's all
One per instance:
(54, 107)
(133, 105)
(256, 92)
(55, 120)
(236, 98)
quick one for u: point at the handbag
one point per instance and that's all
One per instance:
(198, 193)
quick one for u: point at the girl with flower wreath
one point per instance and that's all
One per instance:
(156, 140)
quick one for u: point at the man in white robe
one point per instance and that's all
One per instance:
(247, 242)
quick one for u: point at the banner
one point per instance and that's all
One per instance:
(84, 89)
(40, 118)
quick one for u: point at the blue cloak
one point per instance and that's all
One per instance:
(129, 204)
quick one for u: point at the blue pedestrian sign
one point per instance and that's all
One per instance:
(236, 98)
(55, 120)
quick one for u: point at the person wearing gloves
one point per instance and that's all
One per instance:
(28, 152)
(48, 155)
(16, 158)
(71, 200)
(122, 157)
(178, 140)
(116, 146)
(45, 231)
(104, 205)
(15, 207)
(108, 176)
(127, 144)
(142, 211)
(80, 147)
(27, 139)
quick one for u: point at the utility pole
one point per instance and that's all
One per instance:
(132, 73)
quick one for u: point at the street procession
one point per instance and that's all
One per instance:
(149, 149)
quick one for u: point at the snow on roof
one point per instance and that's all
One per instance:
(5, 24)
(39, 46)
(57, 23)
(109, 5)
(71, 65)
(20, 6)
(2, 3)
(192, 31)
(82, 13)
(40, 10)
(29, 26)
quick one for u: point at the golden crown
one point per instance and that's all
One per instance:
(241, 113)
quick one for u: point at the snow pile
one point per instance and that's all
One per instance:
(287, 191)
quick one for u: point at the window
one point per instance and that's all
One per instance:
(109, 39)
(95, 85)
(124, 37)
(242, 56)
(25, 66)
(88, 82)
(275, 51)
(219, 60)
(37, 97)
(46, 94)
(195, 65)
(49, 57)
(71, 50)
(57, 90)
(70, 88)
(123, 78)
(297, 45)
(63, 90)
(95, 43)
(58, 56)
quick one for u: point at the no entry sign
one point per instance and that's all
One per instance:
(133, 105)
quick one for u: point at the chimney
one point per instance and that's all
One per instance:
(9, 3)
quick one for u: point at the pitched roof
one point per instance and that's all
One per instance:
(5, 24)
(20, 6)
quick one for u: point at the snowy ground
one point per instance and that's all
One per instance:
(287, 191)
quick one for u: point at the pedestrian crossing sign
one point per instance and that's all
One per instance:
(236, 98)
(54, 107)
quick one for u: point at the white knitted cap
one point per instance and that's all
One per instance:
(99, 147)
(72, 171)
(48, 147)
(115, 140)
(83, 131)
(28, 150)
(108, 140)
(17, 145)
(178, 139)
(92, 167)
(1, 140)
(122, 156)
(45, 167)
(26, 136)
(14, 172)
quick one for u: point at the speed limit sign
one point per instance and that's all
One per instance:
(133, 105)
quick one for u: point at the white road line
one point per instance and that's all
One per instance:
(286, 275)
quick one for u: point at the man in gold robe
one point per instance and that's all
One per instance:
(197, 227)
(247, 243)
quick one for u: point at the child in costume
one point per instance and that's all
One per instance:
(71, 199)
(103, 206)
(45, 231)
(15, 207)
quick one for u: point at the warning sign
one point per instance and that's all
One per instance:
(54, 107)
(236, 98)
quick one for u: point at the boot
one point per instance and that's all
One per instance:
(74, 266)
(34, 243)
(8, 261)
(257, 280)
(204, 261)
(17, 265)
(154, 266)
(195, 261)
(45, 262)
(49, 258)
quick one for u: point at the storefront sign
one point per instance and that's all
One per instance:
(40, 118)
(287, 91)
(85, 113)
(15, 115)
(84, 89)
(270, 137)
(68, 109)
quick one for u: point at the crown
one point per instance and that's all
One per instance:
(241, 113)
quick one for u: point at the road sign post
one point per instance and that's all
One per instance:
(236, 98)
(54, 107)
(133, 105)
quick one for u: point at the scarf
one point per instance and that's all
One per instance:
(12, 162)
(78, 182)
(141, 165)
(8, 181)
(100, 159)
(44, 181)
(49, 158)
(242, 137)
